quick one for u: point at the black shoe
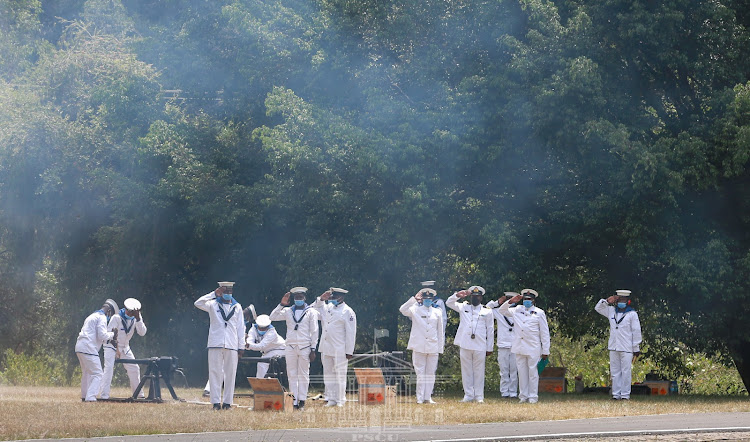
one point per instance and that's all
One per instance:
(296, 407)
(217, 407)
(225, 406)
(301, 405)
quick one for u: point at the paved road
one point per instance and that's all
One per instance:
(727, 426)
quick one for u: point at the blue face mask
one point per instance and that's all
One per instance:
(527, 303)
(621, 305)
(299, 302)
(262, 332)
(125, 314)
(427, 302)
(335, 302)
(226, 296)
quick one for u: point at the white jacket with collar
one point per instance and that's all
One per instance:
(339, 328)
(93, 334)
(271, 340)
(474, 320)
(123, 335)
(505, 326)
(308, 329)
(223, 334)
(531, 331)
(427, 332)
(625, 335)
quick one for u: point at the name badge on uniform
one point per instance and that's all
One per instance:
(424, 317)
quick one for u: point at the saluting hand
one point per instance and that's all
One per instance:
(137, 314)
(219, 291)
(462, 293)
(611, 299)
(516, 298)
(285, 298)
(326, 295)
(418, 296)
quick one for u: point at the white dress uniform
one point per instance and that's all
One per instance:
(270, 344)
(506, 360)
(624, 340)
(125, 330)
(302, 331)
(426, 341)
(93, 334)
(226, 337)
(530, 342)
(476, 321)
(337, 341)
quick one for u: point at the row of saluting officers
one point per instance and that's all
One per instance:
(523, 341)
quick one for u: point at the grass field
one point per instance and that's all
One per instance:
(57, 412)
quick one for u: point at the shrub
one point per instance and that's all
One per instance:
(35, 369)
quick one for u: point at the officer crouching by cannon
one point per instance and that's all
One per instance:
(264, 338)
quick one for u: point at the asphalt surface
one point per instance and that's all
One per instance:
(666, 427)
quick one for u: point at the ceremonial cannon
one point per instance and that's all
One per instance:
(162, 367)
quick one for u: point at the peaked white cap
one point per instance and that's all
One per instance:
(296, 290)
(428, 293)
(476, 288)
(338, 290)
(112, 304)
(530, 292)
(132, 304)
(623, 292)
(226, 283)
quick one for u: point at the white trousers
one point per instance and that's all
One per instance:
(262, 367)
(298, 371)
(133, 370)
(508, 372)
(528, 378)
(472, 373)
(222, 367)
(91, 376)
(425, 365)
(621, 367)
(334, 377)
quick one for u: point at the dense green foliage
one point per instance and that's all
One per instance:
(149, 148)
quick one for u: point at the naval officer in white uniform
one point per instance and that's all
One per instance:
(226, 341)
(530, 341)
(426, 340)
(475, 337)
(264, 338)
(302, 332)
(337, 342)
(92, 336)
(624, 340)
(127, 321)
(506, 360)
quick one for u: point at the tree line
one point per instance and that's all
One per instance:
(151, 148)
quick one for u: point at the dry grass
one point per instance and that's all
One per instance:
(51, 412)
